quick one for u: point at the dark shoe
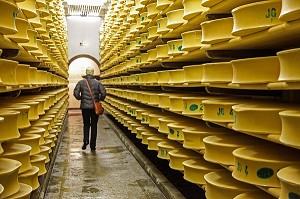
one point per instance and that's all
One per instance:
(84, 146)
(93, 149)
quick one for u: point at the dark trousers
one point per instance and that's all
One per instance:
(90, 120)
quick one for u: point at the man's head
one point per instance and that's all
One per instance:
(89, 71)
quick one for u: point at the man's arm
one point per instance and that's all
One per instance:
(102, 92)
(77, 91)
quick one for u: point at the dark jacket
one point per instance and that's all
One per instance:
(81, 92)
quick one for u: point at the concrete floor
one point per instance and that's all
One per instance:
(111, 172)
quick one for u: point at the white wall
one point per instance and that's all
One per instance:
(83, 29)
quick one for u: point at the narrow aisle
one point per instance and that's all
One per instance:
(111, 172)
